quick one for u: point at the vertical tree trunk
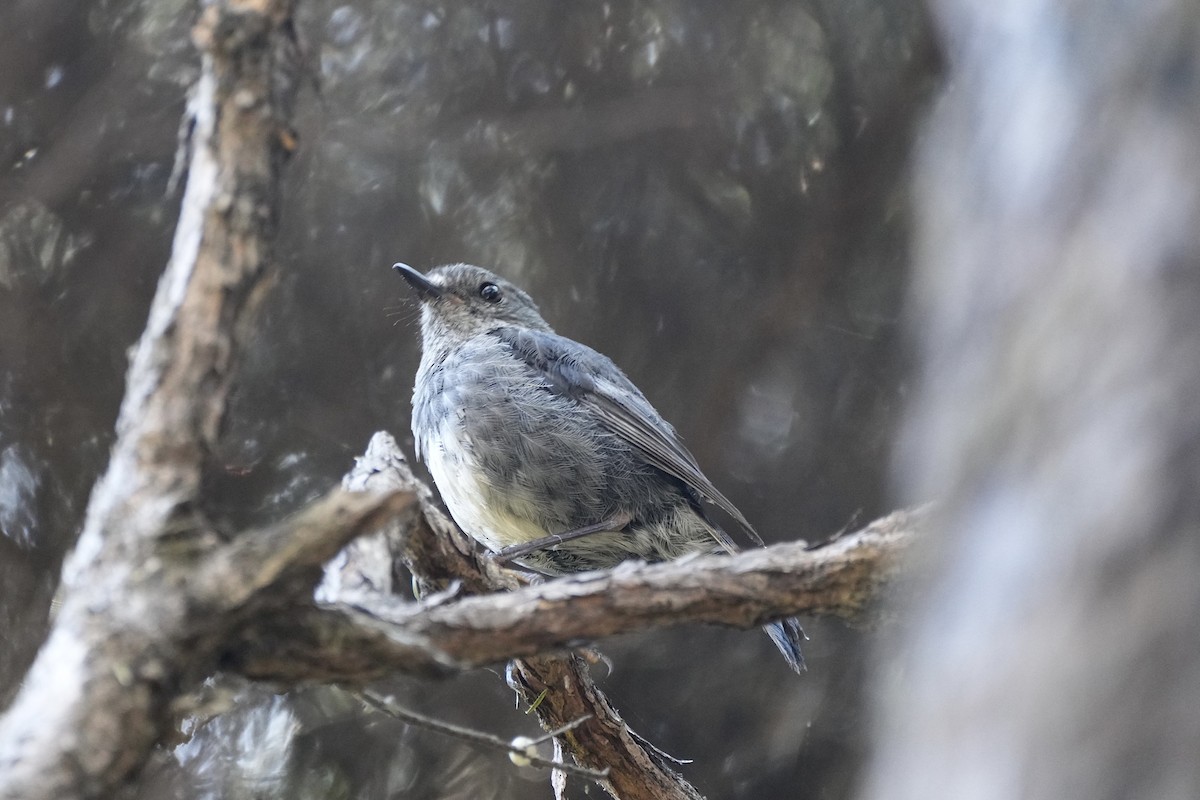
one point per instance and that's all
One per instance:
(1056, 652)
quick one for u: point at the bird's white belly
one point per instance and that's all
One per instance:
(470, 500)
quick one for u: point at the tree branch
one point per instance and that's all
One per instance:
(126, 639)
(293, 551)
(845, 579)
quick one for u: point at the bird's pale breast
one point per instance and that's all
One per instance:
(469, 498)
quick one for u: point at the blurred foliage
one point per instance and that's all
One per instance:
(711, 193)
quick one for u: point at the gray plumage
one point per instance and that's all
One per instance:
(529, 434)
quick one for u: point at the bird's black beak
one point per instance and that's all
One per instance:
(424, 287)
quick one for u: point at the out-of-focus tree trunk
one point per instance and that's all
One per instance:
(1056, 652)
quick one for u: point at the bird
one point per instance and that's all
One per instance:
(544, 451)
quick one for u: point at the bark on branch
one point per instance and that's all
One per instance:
(844, 579)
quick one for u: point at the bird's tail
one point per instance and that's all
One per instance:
(787, 636)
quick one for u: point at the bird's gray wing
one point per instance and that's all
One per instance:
(596, 383)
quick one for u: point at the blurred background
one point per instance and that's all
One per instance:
(714, 194)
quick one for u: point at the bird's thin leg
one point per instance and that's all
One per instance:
(614, 523)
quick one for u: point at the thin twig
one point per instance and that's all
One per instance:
(389, 706)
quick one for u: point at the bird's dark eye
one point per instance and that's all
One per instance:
(490, 292)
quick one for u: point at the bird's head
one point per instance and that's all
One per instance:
(459, 301)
